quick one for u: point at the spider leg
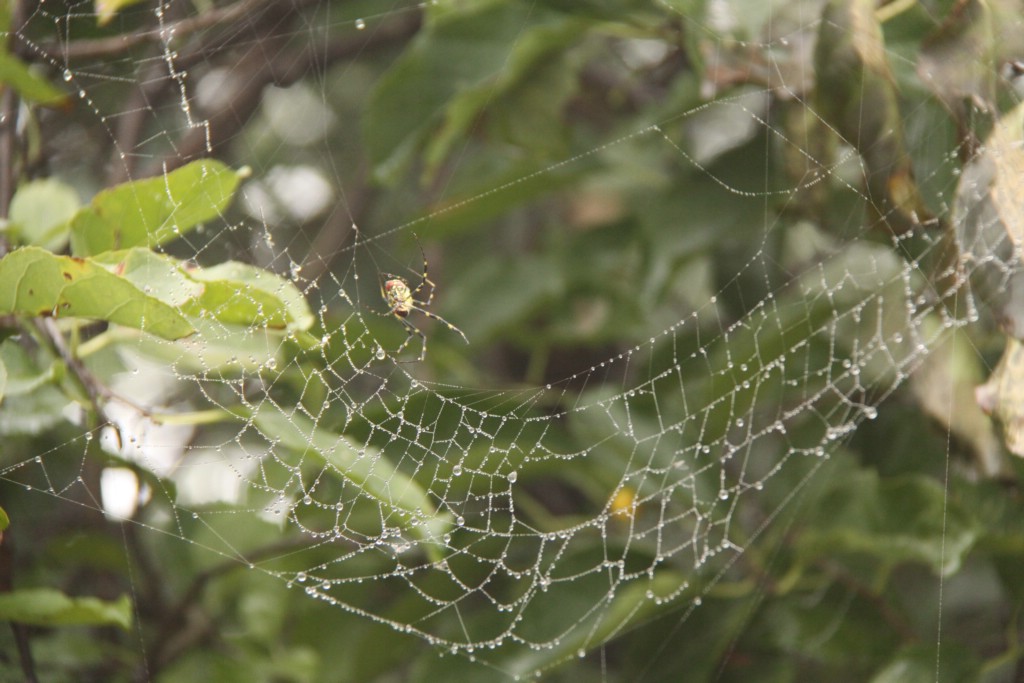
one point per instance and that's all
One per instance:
(412, 331)
(435, 316)
(425, 280)
(430, 297)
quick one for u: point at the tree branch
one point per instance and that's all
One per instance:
(98, 48)
(255, 70)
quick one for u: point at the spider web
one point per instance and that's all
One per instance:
(626, 489)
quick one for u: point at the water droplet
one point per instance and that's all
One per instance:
(360, 24)
(513, 476)
(457, 470)
(380, 353)
(67, 75)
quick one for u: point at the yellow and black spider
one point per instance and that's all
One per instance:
(401, 302)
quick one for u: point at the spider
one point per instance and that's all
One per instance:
(399, 297)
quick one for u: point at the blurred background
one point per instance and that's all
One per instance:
(731, 271)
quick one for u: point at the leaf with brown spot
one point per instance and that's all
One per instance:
(62, 286)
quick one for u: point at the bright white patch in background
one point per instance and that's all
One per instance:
(156, 447)
(202, 476)
(119, 488)
(297, 114)
(720, 17)
(259, 203)
(642, 53)
(712, 132)
(300, 192)
(215, 90)
(214, 475)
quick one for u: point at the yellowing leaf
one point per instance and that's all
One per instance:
(106, 9)
(1002, 396)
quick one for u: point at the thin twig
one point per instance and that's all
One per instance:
(334, 233)
(21, 639)
(9, 122)
(174, 638)
(116, 45)
(8, 143)
(255, 70)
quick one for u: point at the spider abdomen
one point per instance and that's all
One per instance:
(398, 296)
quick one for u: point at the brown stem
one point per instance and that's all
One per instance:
(255, 70)
(334, 233)
(8, 143)
(889, 615)
(182, 628)
(98, 48)
(156, 86)
(9, 122)
(20, 632)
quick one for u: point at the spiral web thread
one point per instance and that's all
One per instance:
(406, 485)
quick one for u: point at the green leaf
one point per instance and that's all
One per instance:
(922, 664)
(633, 604)
(3, 380)
(34, 413)
(32, 403)
(154, 211)
(158, 275)
(5, 521)
(215, 349)
(241, 293)
(23, 376)
(231, 292)
(31, 87)
(605, 10)
(367, 468)
(48, 607)
(40, 211)
(35, 282)
(452, 70)
(959, 60)
(903, 519)
(856, 93)
(523, 100)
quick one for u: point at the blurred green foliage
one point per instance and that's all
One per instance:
(628, 207)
